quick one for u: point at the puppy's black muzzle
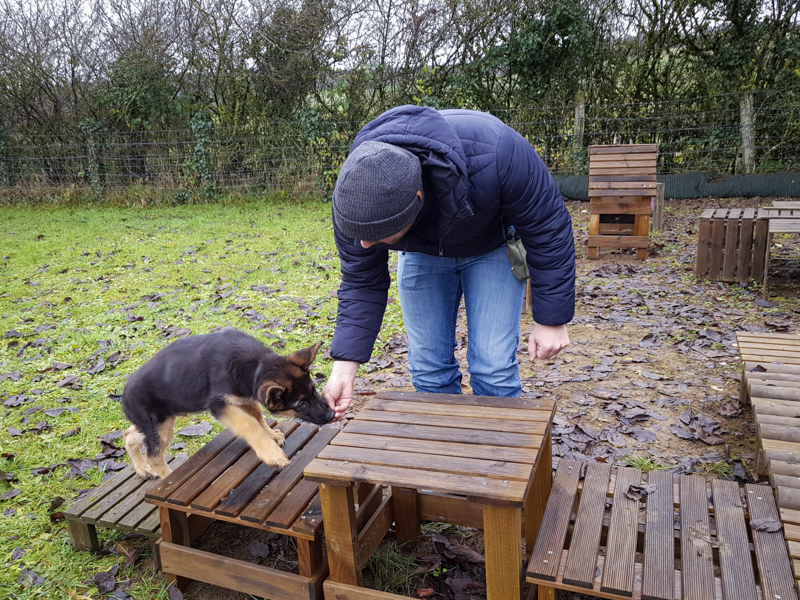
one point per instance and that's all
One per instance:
(317, 411)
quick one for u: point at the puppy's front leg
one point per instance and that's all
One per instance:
(256, 413)
(247, 427)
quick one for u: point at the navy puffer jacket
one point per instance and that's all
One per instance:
(475, 170)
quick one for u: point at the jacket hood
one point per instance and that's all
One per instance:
(425, 132)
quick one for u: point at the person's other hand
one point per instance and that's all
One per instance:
(546, 341)
(338, 392)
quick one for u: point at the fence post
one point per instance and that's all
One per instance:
(746, 117)
(4, 178)
(580, 121)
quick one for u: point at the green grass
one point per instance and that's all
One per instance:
(84, 272)
(392, 571)
(643, 462)
(719, 468)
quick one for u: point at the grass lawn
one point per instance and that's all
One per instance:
(81, 285)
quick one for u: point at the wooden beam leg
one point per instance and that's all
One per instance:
(341, 533)
(594, 229)
(83, 535)
(502, 529)
(764, 289)
(154, 549)
(406, 514)
(175, 529)
(641, 226)
(538, 495)
(546, 593)
(312, 564)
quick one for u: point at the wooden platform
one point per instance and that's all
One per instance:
(226, 481)
(116, 504)
(459, 459)
(686, 538)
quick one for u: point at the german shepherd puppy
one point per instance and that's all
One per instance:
(228, 373)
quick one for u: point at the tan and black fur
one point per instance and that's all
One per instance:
(228, 373)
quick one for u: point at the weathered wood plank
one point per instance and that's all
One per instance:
(659, 541)
(622, 530)
(553, 531)
(696, 554)
(582, 557)
(736, 565)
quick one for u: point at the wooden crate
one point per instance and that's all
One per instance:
(731, 244)
(622, 182)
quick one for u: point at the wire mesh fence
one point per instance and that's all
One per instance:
(718, 135)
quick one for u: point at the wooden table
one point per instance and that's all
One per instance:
(465, 460)
(226, 481)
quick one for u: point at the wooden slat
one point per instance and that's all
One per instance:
(621, 170)
(773, 563)
(745, 257)
(464, 450)
(310, 521)
(640, 177)
(255, 482)
(443, 434)
(736, 565)
(582, 557)
(135, 519)
(445, 508)
(550, 542)
(293, 504)
(163, 490)
(267, 500)
(645, 187)
(459, 422)
(480, 488)
(598, 149)
(622, 530)
(715, 251)
(233, 574)
(731, 238)
(197, 483)
(703, 247)
(620, 192)
(776, 337)
(238, 472)
(94, 496)
(429, 462)
(619, 241)
(342, 591)
(463, 400)
(96, 511)
(759, 248)
(619, 208)
(490, 413)
(616, 229)
(696, 554)
(659, 540)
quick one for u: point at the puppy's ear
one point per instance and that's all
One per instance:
(303, 358)
(269, 394)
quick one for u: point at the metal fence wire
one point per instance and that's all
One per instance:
(726, 134)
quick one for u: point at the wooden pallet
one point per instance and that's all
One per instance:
(622, 181)
(225, 481)
(661, 548)
(116, 504)
(770, 383)
(731, 245)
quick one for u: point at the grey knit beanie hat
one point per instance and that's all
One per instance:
(375, 194)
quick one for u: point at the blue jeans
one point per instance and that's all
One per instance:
(430, 289)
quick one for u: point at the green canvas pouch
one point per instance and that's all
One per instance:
(517, 256)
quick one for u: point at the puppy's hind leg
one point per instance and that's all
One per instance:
(246, 426)
(133, 445)
(156, 448)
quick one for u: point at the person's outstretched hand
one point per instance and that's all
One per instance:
(546, 341)
(338, 392)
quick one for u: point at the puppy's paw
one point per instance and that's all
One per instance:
(278, 436)
(145, 473)
(276, 459)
